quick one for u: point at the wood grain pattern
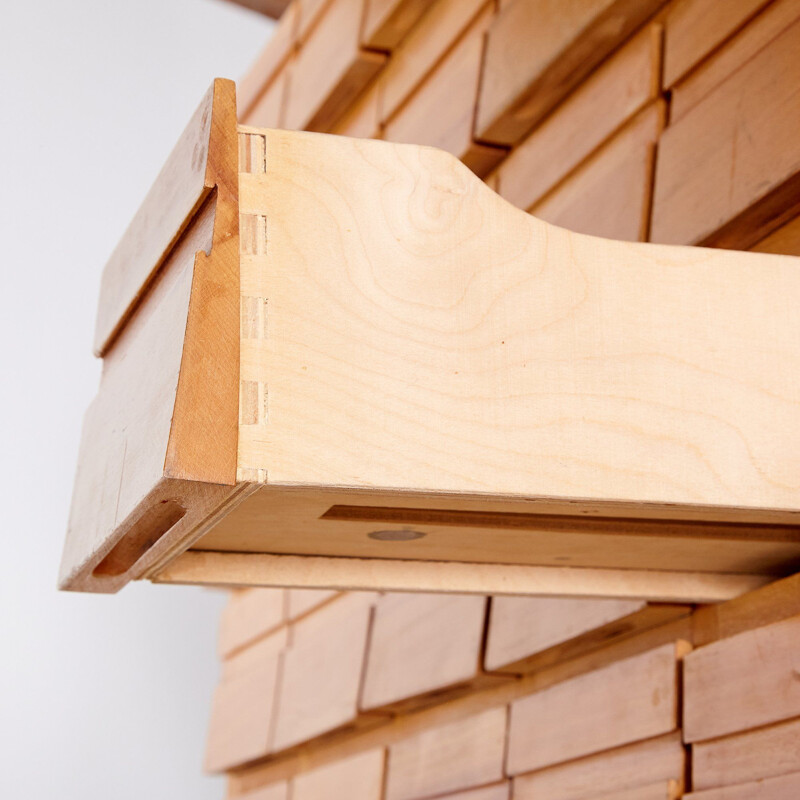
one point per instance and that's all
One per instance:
(784, 787)
(301, 601)
(244, 706)
(196, 567)
(785, 240)
(520, 627)
(421, 51)
(331, 642)
(449, 94)
(759, 668)
(162, 431)
(624, 769)
(499, 791)
(608, 98)
(694, 28)
(663, 790)
(537, 52)
(386, 22)
(260, 77)
(330, 69)
(631, 700)
(745, 757)
(765, 27)
(359, 777)
(363, 118)
(422, 644)
(609, 194)
(268, 110)
(448, 758)
(248, 615)
(739, 139)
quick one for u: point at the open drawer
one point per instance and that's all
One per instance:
(333, 362)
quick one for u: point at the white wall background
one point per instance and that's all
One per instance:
(100, 697)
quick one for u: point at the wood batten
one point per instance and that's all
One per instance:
(158, 450)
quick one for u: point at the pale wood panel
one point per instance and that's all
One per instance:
(757, 35)
(614, 771)
(301, 601)
(664, 790)
(243, 710)
(694, 28)
(740, 141)
(536, 52)
(784, 787)
(500, 791)
(248, 615)
(448, 95)
(758, 668)
(363, 118)
(323, 670)
(745, 757)
(785, 240)
(309, 13)
(268, 110)
(403, 575)
(270, 8)
(609, 194)
(522, 626)
(447, 758)
(422, 50)
(677, 402)
(330, 69)
(278, 791)
(610, 96)
(621, 703)
(386, 22)
(272, 58)
(421, 644)
(359, 777)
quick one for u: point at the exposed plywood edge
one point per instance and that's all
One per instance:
(359, 574)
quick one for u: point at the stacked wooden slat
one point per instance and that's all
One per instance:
(670, 121)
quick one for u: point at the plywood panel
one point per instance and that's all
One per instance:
(609, 194)
(448, 96)
(424, 48)
(758, 668)
(386, 22)
(624, 702)
(323, 669)
(600, 105)
(740, 141)
(749, 756)
(363, 119)
(268, 110)
(330, 69)
(277, 791)
(537, 52)
(624, 769)
(785, 787)
(301, 601)
(243, 710)
(358, 777)
(500, 791)
(694, 28)
(420, 644)
(447, 758)
(249, 615)
(774, 19)
(522, 626)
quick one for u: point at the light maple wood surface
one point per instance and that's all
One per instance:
(534, 57)
(386, 22)
(249, 615)
(620, 87)
(422, 644)
(245, 701)
(359, 777)
(757, 667)
(499, 791)
(624, 769)
(448, 758)
(745, 757)
(783, 787)
(633, 699)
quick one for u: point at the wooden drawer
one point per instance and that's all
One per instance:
(337, 363)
